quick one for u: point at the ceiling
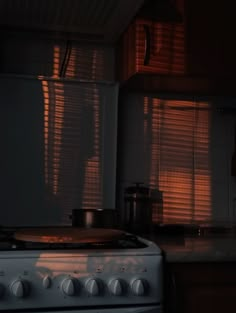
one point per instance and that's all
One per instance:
(90, 20)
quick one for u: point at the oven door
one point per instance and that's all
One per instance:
(144, 309)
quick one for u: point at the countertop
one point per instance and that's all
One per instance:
(214, 249)
(203, 246)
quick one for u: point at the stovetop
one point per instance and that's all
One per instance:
(9, 243)
(42, 276)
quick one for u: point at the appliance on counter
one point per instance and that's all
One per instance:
(138, 210)
(70, 269)
(143, 207)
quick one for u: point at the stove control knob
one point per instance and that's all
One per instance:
(139, 287)
(115, 287)
(68, 286)
(47, 282)
(92, 287)
(19, 288)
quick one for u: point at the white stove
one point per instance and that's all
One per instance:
(88, 278)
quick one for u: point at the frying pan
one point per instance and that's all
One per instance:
(67, 235)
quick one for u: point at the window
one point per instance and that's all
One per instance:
(179, 160)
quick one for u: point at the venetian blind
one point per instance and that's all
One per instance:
(179, 161)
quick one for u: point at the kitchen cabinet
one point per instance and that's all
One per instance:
(194, 54)
(152, 47)
(200, 287)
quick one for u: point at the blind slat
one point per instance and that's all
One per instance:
(180, 158)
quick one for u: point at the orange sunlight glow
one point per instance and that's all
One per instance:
(56, 61)
(81, 266)
(57, 125)
(63, 106)
(179, 165)
(46, 127)
(92, 187)
(58, 119)
(71, 68)
(167, 48)
(65, 264)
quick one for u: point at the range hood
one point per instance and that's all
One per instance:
(91, 20)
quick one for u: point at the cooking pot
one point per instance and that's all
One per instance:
(96, 218)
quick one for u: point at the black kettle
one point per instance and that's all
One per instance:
(138, 209)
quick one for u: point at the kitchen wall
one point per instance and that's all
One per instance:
(48, 85)
(35, 54)
(28, 55)
(222, 149)
(135, 152)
